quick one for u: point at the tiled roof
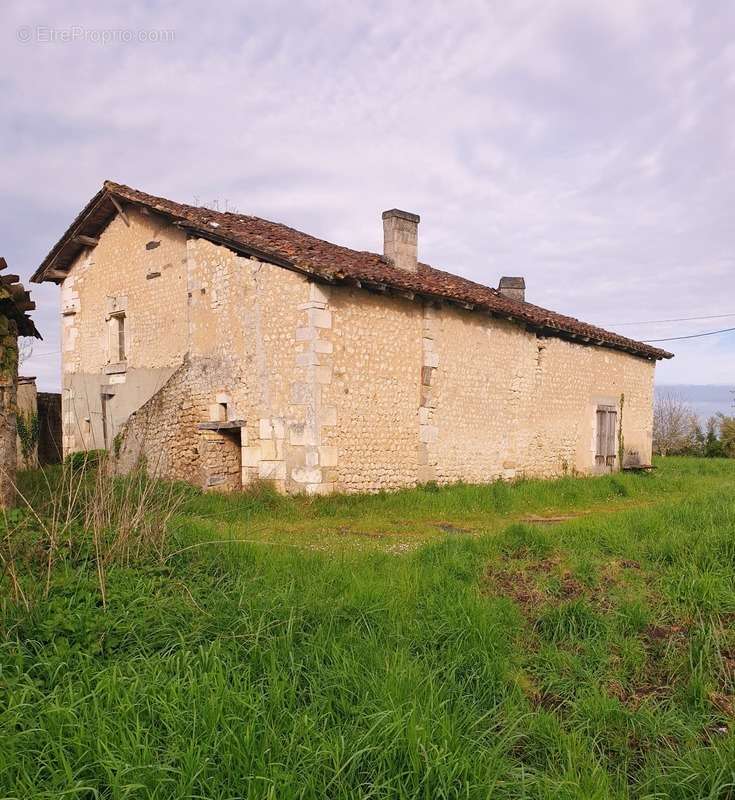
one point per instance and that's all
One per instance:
(15, 302)
(272, 241)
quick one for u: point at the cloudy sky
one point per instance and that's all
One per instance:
(587, 145)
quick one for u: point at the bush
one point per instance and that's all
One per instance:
(85, 459)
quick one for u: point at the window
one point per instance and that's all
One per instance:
(117, 338)
(607, 418)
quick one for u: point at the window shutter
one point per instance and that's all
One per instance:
(605, 450)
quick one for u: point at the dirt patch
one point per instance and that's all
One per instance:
(519, 582)
(533, 584)
(448, 527)
(659, 683)
(724, 703)
(365, 534)
(555, 520)
(665, 633)
(635, 695)
(570, 588)
(518, 586)
(728, 663)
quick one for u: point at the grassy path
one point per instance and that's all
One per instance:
(402, 521)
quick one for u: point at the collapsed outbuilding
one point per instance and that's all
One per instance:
(15, 303)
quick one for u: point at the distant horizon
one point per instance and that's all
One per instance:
(706, 399)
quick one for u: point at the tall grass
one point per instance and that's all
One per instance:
(590, 659)
(84, 511)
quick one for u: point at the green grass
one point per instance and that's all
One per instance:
(422, 644)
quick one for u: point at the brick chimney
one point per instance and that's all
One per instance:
(514, 288)
(400, 238)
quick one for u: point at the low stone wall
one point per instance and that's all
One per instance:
(38, 425)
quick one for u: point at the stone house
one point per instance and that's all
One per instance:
(15, 302)
(226, 348)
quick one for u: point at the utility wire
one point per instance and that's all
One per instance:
(678, 319)
(692, 336)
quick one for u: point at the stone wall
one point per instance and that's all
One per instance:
(27, 419)
(249, 315)
(374, 389)
(165, 432)
(138, 270)
(8, 381)
(507, 403)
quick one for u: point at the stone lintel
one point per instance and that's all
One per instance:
(221, 426)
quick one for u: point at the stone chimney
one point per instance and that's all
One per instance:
(514, 288)
(400, 238)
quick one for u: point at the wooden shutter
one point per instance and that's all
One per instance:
(605, 450)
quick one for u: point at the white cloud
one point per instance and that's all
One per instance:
(588, 146)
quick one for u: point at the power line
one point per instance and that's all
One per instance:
(692, 336)
(678, 319)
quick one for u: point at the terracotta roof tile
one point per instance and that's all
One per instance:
(326, 261)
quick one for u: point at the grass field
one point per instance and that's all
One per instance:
(562, 639)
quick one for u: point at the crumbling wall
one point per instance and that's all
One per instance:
(164, 432)
(8, 389)
(27, 423)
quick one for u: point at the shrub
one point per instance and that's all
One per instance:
(84, 459)
(28, 428)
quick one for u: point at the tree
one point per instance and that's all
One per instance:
(25, 349)
(727, 435)
(674, 426)
(712, 443)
